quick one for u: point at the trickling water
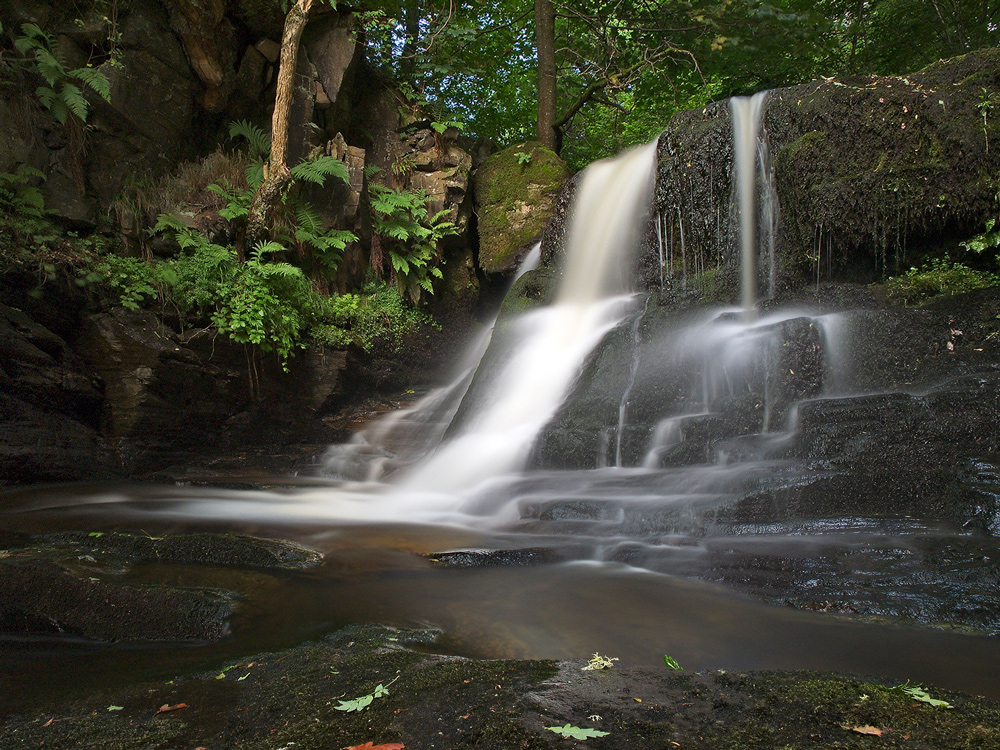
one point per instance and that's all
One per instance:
(633, 369)
(756, 229)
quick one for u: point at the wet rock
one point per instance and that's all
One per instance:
(42, 598)
(493, 557)
(207, 549)
(867, 169)
(516, 192)
(446, 701)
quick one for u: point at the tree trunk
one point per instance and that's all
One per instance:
(545, 45)
(277, 177)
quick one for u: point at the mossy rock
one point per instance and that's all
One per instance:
(516, 191)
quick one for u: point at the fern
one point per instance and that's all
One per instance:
(256, 138)
(317, 170)
(95, 79)
(61, 96)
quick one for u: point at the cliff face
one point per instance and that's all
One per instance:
(92, 391)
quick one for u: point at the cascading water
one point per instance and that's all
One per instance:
(552, 343)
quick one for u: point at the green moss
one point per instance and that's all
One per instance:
(515, 189)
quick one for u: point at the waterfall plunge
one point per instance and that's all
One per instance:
(553, 342)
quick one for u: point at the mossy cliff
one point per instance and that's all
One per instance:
(870, 172)
(516, 191)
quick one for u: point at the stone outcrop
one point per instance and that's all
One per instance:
(870, 172)
(50, 407)
(516, 193)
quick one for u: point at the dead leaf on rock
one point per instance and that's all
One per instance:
(866, 729)
(167, 708)
(370, 746)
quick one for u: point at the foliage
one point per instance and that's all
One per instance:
(401, 218)
(672, 663)
(362, 702)
(917, 693)
(374, 318)
(939, 277)
(61, 94)
(599, 662)
(21, 201)
(570, 732)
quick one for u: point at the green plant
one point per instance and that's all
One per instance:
(671, 663)
(936, 278)
(598, 662)
(375, 318)
(400, 217)
(440, 127)
(917, 693)
(523, 158)
(61, 94)
(570, 732)
(21, 201)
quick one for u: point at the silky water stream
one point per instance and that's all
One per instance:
(447, 515)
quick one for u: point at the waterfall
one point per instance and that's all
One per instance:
(552, 343)
(750, 150)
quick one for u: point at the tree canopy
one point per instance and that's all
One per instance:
(623, 67)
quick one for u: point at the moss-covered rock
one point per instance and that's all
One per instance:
(515, 190)
(869, 171)
(290, 699)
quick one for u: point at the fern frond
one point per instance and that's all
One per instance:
(255, 174)
(308, 219)
(399, 263)
(262, 248)
(168, 221)
(258, 140)
(284, 270)
(74, 100)
(317, 170)
(48, 66)
(95, 79)
(371, 170)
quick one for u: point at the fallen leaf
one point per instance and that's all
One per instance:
(115, 708)
(370, 746)
(49, 722)
(867, 729)
(167, 708)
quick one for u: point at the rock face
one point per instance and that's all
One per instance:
(50, 406)
(516, 192)
(868, 171)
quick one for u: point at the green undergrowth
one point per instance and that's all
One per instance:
(936, 278)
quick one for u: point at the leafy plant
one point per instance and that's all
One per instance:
(570, 732)
(917, 693)
(362, 702)
(401, 217)
(599, 662)
(440, 127)
(523, 158)
(939, 277)
(20, 200)
(61, 94)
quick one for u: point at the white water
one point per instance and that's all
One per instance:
(755, 230)
(553, 343)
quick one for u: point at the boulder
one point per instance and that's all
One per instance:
(516, 191)
(868, 171)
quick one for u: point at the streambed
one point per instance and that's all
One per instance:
(549, 593)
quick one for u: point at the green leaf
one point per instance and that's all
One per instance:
(317, 170)
(917, 693)
(95, 79)
(570, 732)
(362, 702)
(256, 138)
(116, 708)
(74, 100)
(672, 663)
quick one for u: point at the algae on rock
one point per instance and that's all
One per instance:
(516, 190)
